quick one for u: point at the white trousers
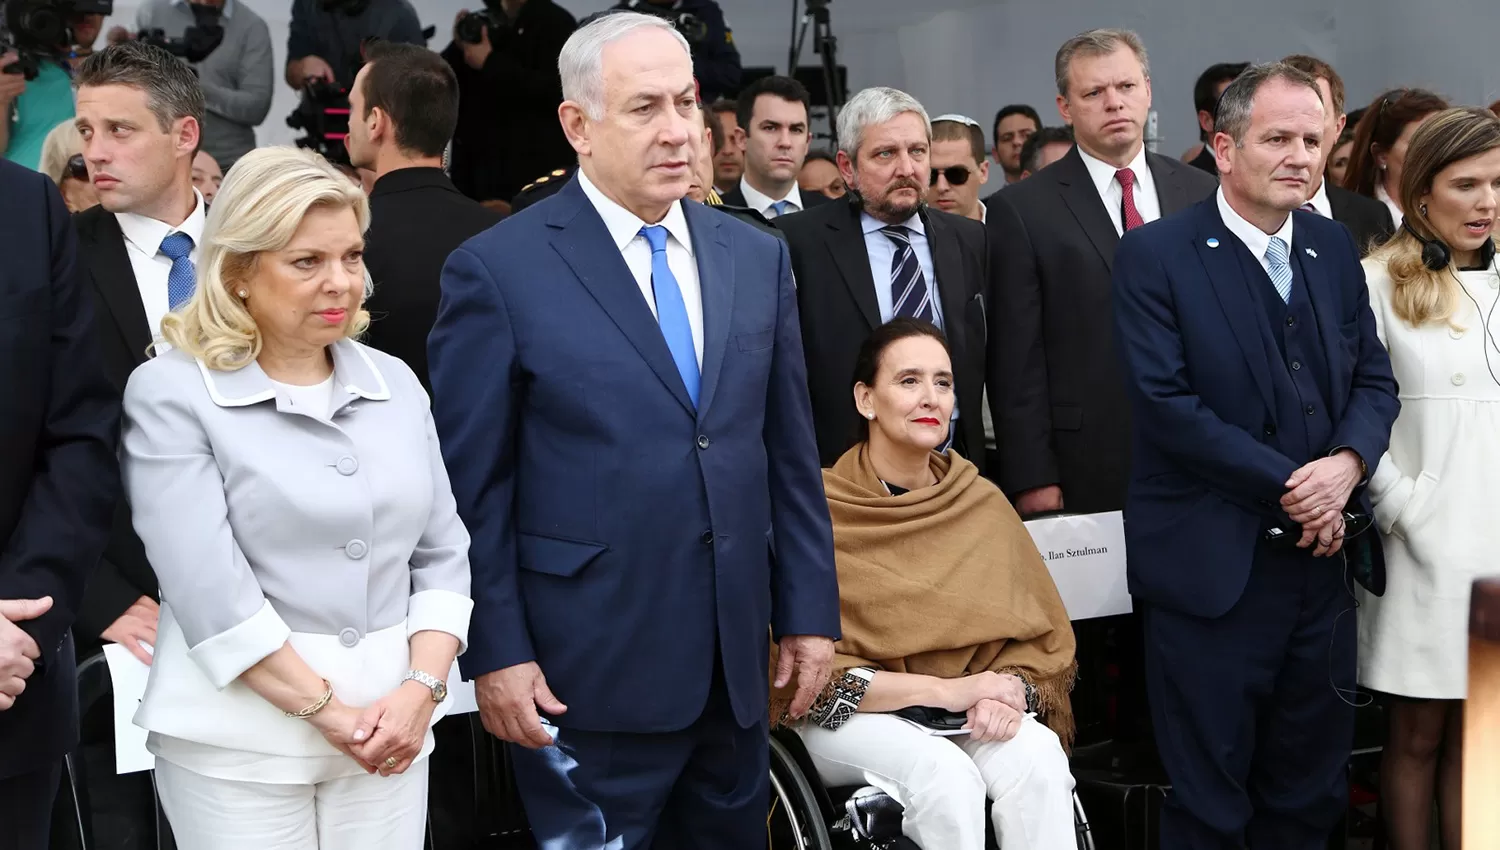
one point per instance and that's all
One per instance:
(943, 782)
(363, 812)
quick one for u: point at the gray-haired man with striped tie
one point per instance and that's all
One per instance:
(139, 110)
(882, 254)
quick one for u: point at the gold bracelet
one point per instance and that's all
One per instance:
(316, 707)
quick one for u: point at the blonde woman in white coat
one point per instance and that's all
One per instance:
(1434, 291)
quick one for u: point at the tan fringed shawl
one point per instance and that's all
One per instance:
(943, 581)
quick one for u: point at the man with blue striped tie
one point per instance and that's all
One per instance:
(139, 111)
(1261, 398)
(618, 384)
(882, 254)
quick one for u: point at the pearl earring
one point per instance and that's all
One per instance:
(870, 416)
(1422, 209)
(243, 294)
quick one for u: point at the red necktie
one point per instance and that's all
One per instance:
(1131, 215)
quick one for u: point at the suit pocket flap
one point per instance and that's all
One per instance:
(555, 556)
(756, 340)
(1067, 417)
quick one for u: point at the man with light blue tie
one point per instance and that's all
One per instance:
(774, 134)
(1261, 399)
(619, 390)
(880, 254)
(139, 111)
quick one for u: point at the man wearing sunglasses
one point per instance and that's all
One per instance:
(959, 167)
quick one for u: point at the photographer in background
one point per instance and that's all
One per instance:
(716, 61)
(505, 58)
(29, 109)
(326, 37)
(236, 74)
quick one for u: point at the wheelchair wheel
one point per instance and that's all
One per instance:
(795, 820)
(1081, 826)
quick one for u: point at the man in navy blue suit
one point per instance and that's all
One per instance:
(59, 480)
(1263, 398)
(623, 407)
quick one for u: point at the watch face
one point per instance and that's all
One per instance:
(440, 692)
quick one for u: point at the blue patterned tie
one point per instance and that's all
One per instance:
(780, 208)
(178, 247)
(1278, 255)
(671, 312)
(910, 297)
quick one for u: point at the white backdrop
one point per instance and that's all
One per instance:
(973, 56)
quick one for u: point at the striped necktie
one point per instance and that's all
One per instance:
(910, 297)
(1279, 267)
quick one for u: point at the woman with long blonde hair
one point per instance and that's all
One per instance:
(287, 484)
(1434, 289)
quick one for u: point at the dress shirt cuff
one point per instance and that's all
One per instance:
(440, 611)
(227, 654)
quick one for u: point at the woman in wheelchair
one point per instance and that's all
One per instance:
(947, 609)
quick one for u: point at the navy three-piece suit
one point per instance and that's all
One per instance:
(1250, 647)
(640, 548)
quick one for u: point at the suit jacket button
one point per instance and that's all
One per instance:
(1291, 320)
(706, 537)
(1311, 410)
(347, 465)
(1458, 379)
(349, 637)
(355, 549)
(703, 442)
(1296, 365)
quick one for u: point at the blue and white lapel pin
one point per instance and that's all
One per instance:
(1212, 242)
(1311, 253)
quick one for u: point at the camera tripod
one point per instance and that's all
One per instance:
(826, 46)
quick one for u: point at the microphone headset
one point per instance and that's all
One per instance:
(1436, 257)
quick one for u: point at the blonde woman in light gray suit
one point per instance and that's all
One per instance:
(287, 484)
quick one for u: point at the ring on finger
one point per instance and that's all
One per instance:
(390, 763)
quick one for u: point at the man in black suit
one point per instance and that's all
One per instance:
(880, 254)
(403, 106)
(1061, 417)
(149, 222)
(59, 481)
(774, 135)
(1206, 92)
(1367, 219)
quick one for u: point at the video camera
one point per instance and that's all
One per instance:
(323, 115)
(471, 27)
(692, 27)
(197, 41)
(38, 30)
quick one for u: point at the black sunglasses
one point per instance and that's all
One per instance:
(957, 175)
(76, 168)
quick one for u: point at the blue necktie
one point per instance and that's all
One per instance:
(178, 247)
(671, 312)
(1279, 267)
(910, 297)
(780, 208)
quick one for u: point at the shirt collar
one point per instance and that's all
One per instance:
(624, 225)
(227, 13)
(146, 233)
(984, 213)
(870, 224)
(1255, 239)
(761, 202)
(353, 372)
(1103, 173)
(1319, 200)
(1384, 197)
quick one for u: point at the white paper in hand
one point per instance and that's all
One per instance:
(128, 677)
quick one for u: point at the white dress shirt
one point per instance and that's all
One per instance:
(143, 245)
(1255, 239)
(624, 228)
(764, 204)
(1113, 194)
(1384, 197)
(1319, 201)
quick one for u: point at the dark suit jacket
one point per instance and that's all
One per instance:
(124, 335)
(812, 200)
(417, 218)
(1209, 467)
(622, 535)
(1366, 218)
(1205, 162)
(1061, 415)
(59, 477)
(836, 300)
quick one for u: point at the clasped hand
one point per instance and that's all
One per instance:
(18, 652)
(1315, 498)
(387, 736)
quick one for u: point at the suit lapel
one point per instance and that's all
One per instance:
(114, 277)
(1312, 271)
(1219, 251)
(948, 266)
(1083, 200)
(585, 245)
(1171, 193)
(716, 280)
(851, 258)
